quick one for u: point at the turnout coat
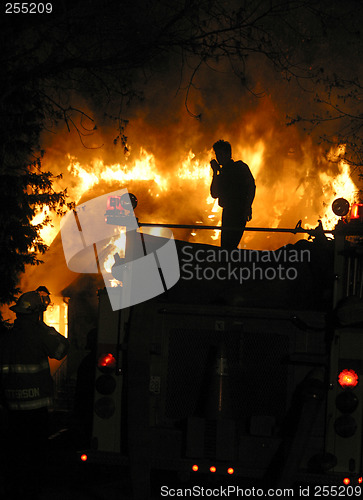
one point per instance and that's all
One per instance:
(25, 379)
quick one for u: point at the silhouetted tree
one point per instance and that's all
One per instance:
(25, 189)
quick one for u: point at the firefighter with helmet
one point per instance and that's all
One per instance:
(26, 389)
(44, 295)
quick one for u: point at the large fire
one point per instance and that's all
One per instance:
(292, 198)
(167, 167)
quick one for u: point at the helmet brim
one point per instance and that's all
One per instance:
(21, 310)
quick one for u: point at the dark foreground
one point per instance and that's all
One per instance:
(66, 477)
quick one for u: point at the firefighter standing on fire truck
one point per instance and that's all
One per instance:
(234, 186)
(26, 386)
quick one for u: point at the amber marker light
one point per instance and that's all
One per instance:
(212, 468)
(195, 468)
(230, 470)
(84, 458)
(346, 480)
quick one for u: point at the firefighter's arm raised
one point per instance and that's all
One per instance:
(57, 346)
(215, 188)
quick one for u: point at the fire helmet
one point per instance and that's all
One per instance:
(44, 295)
(28, 303)
(43, 289)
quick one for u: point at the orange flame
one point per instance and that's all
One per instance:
(175, 189)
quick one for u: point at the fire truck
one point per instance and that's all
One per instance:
(238, 385)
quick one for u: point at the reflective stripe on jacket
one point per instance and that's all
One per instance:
(26, 383)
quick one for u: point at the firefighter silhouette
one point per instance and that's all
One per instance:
(27, 389)
(234, 186)
(44, 295)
